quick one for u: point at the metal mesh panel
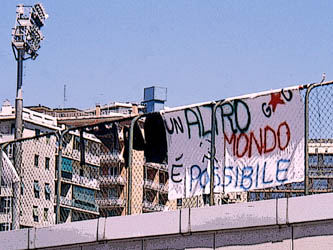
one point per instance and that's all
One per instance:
(320, 139)
(29, 181)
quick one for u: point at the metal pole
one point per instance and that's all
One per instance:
(18, 135)
(60, 138)
(17, 151)
(212, 155)
(129, 167)
(306, 136)
(19, 98)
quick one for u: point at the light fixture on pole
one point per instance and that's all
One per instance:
(26, 38)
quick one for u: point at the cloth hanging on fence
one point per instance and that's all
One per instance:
(109, 136)
(138, 140)
(156, 144)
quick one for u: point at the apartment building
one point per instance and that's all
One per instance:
(36, 164)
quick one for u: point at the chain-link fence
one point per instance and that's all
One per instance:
(28, 182)
(165, 161)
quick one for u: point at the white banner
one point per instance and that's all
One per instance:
(259, 143)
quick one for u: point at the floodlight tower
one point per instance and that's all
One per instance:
(26, 38)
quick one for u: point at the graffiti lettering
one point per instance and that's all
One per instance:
(244, 178)
(269, 139)
(232, 112)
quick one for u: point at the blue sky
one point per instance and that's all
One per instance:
(106, 51)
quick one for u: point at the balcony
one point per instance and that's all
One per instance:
(111, 202)
(77, 204)
(112, 179)
(147, 205)
(111, 157)
(90, 207)
(151, 184)
(85, 181)
(157, 166)
(64, 201)
(89, 157)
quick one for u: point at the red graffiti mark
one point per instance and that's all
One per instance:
(275, 100)
(272, 139)
(287, 131)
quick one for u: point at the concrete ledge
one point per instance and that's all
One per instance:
(152, 224)
(310, 208)
(240, 215)
(63, 234)
(17, 239)
(175, 226)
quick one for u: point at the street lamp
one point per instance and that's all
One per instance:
(26, 38)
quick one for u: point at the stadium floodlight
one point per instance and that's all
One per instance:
(26, 34)
(26, 39)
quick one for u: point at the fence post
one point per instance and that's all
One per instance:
(60, 137)
(129, 167)
(212, 154)
(17, 156)
(306, 137)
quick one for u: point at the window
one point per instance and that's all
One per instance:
(5, 205)
(81, 172)
(179, 202)
(12, 128)
(205, 198)
(328, 160)
(76, 145)
(3, 183)
(48, 136)
(35, 213)
(114, 171)
(320, 184)
(112, 212)
(37, 132)
(22, 188)
(113, 193)
(47, 191)
(36, 189)
(47, 163)
(313, 159)
(4, 227)
(104, 171)
(36, 160)
(46, 212)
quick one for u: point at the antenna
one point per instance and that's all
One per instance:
(65, 99)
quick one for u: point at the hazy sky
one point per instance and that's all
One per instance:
(106, 51)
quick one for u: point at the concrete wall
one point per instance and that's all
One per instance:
(301, 223)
